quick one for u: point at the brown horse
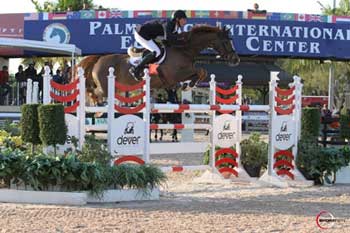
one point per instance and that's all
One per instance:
(178, 65)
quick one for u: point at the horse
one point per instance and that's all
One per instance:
(178, 65)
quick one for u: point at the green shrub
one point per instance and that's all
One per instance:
(310, 123)
(94, 150)
(30, 124)
(254, 152)
(53, 129)
(319, 163)
(42, 172)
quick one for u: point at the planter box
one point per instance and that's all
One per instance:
(43, 197)
(120, 195)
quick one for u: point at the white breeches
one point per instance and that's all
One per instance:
(147, 44)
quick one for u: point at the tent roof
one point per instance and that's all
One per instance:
(40, 46)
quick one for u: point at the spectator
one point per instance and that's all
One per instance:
(325, 112)
(30, 72)
(58, 78)
(4, 85)
(256, 9)
(22, 84)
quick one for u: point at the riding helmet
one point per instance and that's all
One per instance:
(179, 14)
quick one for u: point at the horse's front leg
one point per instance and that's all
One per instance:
(200, 75)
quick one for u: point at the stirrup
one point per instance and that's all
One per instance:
(137, 76)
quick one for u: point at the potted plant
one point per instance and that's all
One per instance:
(254, 153)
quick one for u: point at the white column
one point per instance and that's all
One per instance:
(47, 78)
(187, 118)
(273, 114)
(35, 93)
(81, 108)
(29, 91)
(111, 102)
(212, 101)
(146, 116)
(239, 117)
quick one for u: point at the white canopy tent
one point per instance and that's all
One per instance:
(41, 46)
(50, 48)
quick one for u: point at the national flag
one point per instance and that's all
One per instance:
(43, 16)
(256, 15)
(231, 14)
(201, 14)
(274, 16)
(31, 16)
(87, 14)
(143, 14)
(102, 14)
(313, 18)
(58, 15)
(114, 13)
(73, 15)
(157, 14)
(342, 19)
(329, 19)
(300, 17)
(288, 16)
(216, 14)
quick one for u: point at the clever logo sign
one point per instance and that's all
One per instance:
(225, 130)
(128, 135)
(283, 132)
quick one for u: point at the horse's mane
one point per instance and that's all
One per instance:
(204, 29)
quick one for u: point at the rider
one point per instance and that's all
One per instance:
(165, 30)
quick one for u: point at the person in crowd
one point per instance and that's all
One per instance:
(173, 118)
(58, 78)
(22, 84)
(4, 82)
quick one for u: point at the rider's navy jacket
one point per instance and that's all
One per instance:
(156, 28)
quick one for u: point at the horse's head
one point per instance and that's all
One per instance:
(205, 36)
(224, 46)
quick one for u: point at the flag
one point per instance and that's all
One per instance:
(300, 17)
(114, 13)
(73, 15)
(143, 14)
(342, 19)
(102, 14)
(231, 14)
(57, 15)
(31, 16)
(274, 16)
(288, 16)
(200, 14)
(313, 18)
(157, 14)
(43, 16)
(87, 14)
(216, 14)
(256, 15)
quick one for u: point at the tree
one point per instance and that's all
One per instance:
(62, 5)
(315, 75)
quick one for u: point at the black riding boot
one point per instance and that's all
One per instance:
(137, 72)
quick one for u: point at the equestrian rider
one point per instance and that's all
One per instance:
(155, 29)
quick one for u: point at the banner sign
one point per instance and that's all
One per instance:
(250, 37)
